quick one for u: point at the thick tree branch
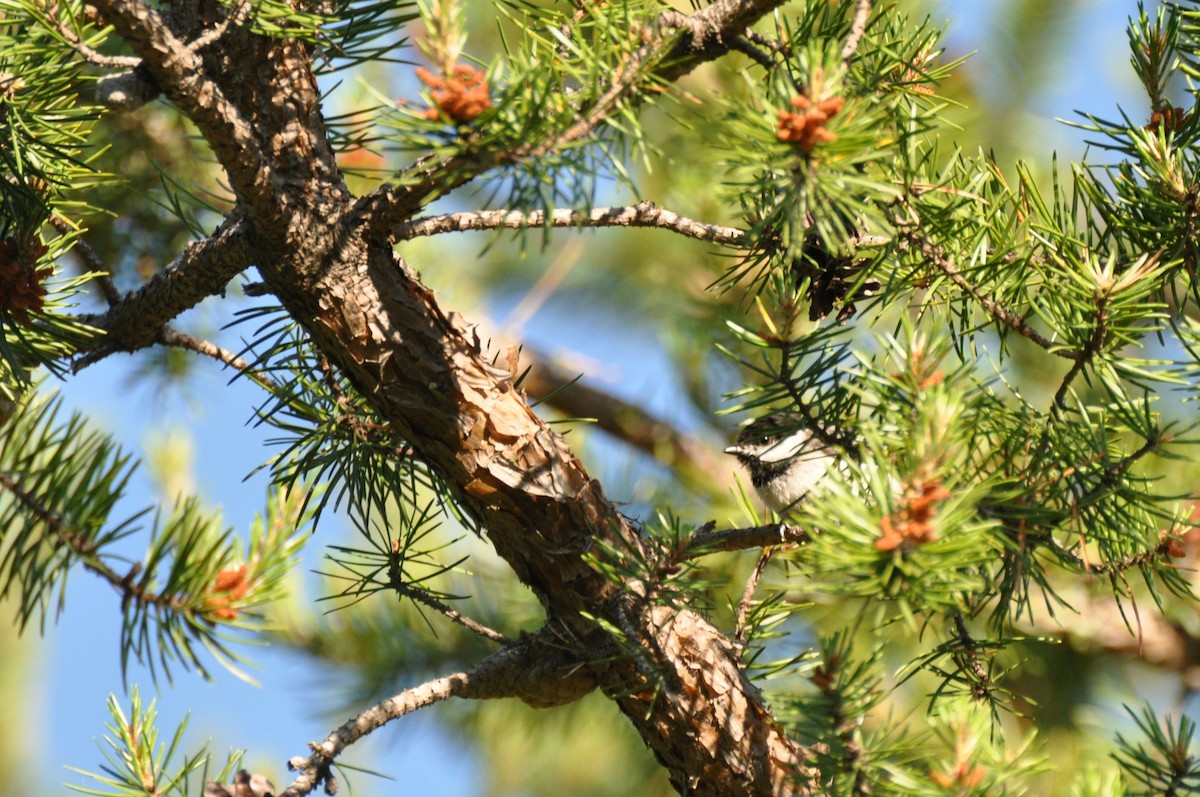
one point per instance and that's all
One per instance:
(333, 267)
(203, 270)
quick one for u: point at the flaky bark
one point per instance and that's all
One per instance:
(331, 262)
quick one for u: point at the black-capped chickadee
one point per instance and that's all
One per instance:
(784, 458)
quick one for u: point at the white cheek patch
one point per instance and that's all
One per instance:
(786, 448)
(784, 492)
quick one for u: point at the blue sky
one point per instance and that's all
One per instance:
(76, 665)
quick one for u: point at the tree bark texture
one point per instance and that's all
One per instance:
(332, 264)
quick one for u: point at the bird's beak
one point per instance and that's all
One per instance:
(735, 450)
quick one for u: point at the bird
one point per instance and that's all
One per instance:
(784, 458)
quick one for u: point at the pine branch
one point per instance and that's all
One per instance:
(84, 548)
(836, 680)
(64, 481)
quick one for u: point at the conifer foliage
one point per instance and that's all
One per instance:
(1001, 364)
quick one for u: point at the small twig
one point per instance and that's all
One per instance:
(474, 626)
(1083, 357)
(86, 550)
(862, 13)
(363, 430)
(1110, 569)
(624, 81)
(840, 439)
(934, 254)
(1090, 349)
(755, 37)
(91, 260)
(92, 56)
(236, 16)
(983, 685)
(745, 604)
(758, 56)
(706, 542)
(315, 769)
(171, 337)
(1123, 464)
(535, 669)
(643, 214)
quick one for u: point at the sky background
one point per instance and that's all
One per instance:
(76, 663)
